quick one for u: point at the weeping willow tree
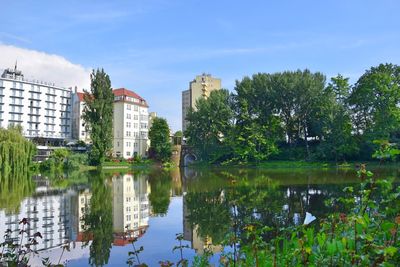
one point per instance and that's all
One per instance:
(16, 152)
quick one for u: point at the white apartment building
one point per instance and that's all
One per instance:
(131, 120)
(130, 123)
(200, 87)
(42, 109)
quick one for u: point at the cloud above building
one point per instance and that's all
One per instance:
(36, 65)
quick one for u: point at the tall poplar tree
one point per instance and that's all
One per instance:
(98, 115)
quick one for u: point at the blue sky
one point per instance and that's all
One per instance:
(156, 47)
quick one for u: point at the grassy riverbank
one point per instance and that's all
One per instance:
(278, 164)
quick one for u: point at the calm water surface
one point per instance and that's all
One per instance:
(98, 214)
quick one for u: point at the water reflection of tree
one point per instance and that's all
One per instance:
(160, 185)
(257, 201)
(13, 189)
(98, 221)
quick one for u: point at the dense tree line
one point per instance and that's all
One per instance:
(298, 115)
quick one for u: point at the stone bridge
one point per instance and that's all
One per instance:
(187, 156)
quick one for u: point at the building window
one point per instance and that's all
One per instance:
(128, 115)
(128, 154)
(136, 108)
(128, 124)
(128, 107)
(128, 218)
(128, 133)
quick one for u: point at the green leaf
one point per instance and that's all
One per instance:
(390, 251)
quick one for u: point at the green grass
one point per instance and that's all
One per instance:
(298, 164)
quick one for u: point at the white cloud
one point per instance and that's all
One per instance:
(41, 66)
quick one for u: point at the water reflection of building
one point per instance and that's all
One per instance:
(59, 214)
(131, 206)
(190, 233)
(47, 212)
(80, 205)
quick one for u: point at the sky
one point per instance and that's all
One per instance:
(156, 47)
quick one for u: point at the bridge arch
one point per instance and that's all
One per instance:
(187, 156)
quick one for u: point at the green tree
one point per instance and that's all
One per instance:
(98, 115)
(298, 96)
(210, 125)
(178, 134)
(338, 140)
(375, 101)
(160, 144)
(257, 128)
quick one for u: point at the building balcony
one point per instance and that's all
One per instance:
(16, 96)
(17, 89)
(17, 105)
(33, 91)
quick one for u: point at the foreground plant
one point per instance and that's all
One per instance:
(363, 232)
(13, 251)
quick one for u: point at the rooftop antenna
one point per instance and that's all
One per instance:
(15, 67)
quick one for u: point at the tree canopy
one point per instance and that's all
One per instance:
(160, 144)
(297, 115)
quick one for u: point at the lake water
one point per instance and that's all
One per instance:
(97, 215)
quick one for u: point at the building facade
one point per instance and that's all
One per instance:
(200, 87)
(130, 123)
(42, 109)
(79, 131)
(131, 119)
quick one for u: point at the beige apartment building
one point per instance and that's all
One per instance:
(200, 87)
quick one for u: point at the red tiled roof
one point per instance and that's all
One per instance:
(80, 96)
(120, 92)
(126, 92)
